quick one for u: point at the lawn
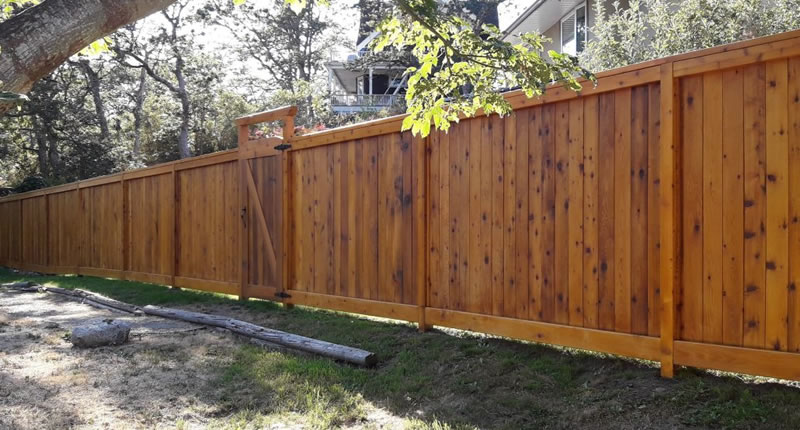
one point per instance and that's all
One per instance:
(446, 378)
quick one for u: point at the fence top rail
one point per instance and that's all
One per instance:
(266, 116)
(159, 169)
(635, 74)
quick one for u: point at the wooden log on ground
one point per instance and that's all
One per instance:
(84, 296)
(301, 343)
(96, 300)
(136, 310)
(24, 286)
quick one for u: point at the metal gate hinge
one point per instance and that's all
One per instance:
(282, 294)
(283, 147)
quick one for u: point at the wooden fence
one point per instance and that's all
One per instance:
(654, 215)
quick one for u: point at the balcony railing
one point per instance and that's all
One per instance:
(377, 100)
(351, 103)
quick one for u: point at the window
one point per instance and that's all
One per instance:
(573, 31)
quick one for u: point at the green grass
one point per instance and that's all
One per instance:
(450, 379)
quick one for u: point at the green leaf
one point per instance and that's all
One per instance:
(97, 47)
(296, 6)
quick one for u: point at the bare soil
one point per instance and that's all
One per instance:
(180, 376)
(163, 376)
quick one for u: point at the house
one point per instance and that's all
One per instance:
(563, 21)
(363, 83)
(366, 82)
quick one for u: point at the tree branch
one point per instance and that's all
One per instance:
(36, 41)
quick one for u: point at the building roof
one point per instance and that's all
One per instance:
(540, 16)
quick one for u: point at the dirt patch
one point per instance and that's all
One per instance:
(173, 375)
(165, 376)
(153, 381)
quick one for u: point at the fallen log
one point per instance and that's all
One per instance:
(24, 286)
(302, 343)
(83, 296)
(136, 310)
(96, 300)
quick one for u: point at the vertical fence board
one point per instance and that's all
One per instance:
(497, 208)
(535, 146)
(777, 253)
(605, 212)
(444, 223)
(485, 261)
(475, 241)
(590, 214)
(390, 199)
(733, 206)
(654, 190)
(407, 293)
(304, 236)
(622, 210)
(509, 254)
(575, 172)
(522, 251)
(754, 204)
(639, 213)
(562, 243)
(793, 106)
(712, 208)
(547, 245)
(352, 219)
(435, 226)
(459, 212)
(690, 303)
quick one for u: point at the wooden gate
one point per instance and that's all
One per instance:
(262, 166)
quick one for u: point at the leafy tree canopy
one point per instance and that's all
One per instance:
(649, 29)
(461, 68)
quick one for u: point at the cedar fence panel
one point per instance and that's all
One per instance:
(654, 215)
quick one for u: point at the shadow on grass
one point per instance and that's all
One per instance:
(453, 379)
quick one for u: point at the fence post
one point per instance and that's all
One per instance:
(670, 176)
(84, 235)
(126, 229)
(285, 185)
(175, 236)
(47, 230)
(420, 174)
(244, 131)
(79, 220)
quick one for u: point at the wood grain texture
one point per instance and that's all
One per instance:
(755, 178)
(690, 300)
(733, 207)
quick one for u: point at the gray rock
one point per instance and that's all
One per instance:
(106, 332)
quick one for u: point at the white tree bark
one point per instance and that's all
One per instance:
(35, 42)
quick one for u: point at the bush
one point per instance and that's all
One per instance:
(649, 29)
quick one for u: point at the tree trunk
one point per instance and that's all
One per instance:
(302, 343)
(41, 148)
(137, 114)
(39, 39)
(93, 81)
(183, 95)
